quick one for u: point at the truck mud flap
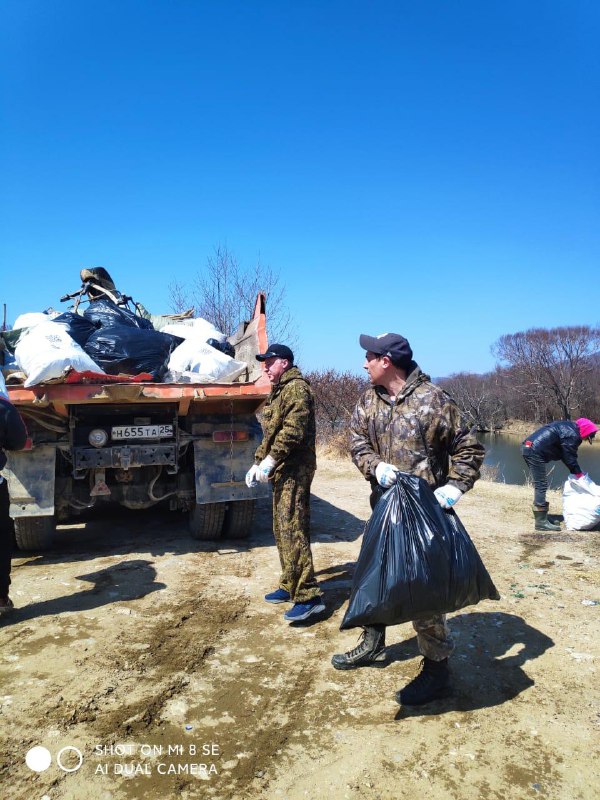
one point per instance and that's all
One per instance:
(219, 480)
(30, 478)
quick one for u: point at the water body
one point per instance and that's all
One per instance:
(503, 453)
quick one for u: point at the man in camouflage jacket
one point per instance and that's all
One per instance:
(287, 457)
(403, 422)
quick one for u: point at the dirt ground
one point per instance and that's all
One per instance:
(149, 666)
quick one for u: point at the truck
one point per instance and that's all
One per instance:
(181, 446)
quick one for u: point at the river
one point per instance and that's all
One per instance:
(503, 457)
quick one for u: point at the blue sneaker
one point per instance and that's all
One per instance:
(302, 611)
(278, 596)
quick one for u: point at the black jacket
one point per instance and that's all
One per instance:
(13, 433)
(557, 441)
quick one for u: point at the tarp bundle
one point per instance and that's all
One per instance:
(581, 504)
(416, 561)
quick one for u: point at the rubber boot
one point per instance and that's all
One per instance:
(432, 682)
(542, 523)
(370, 651)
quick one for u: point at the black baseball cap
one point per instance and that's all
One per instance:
(277, 351)
(392, 345)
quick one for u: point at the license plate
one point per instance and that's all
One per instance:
(141, 431)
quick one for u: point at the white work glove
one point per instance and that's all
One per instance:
(252, 476)
(386, 474)
(448, 495)
(265, 468)
(585, 480)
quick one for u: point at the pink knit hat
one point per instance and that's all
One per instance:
(586, 427)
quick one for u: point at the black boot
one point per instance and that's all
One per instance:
(542, 523)
(369, 651)
(6, 605)
(433, 681)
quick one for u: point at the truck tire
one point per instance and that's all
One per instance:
(34, 533)
(238, 519)
(206, 520)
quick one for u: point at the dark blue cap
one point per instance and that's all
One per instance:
(392, 345)
(277, 351)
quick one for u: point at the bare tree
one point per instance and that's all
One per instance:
(178, 297)
(225, 294)
(477, 397)
(551, 364)
(336, 394)
(589, 392)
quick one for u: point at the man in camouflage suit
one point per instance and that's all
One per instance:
(287, 457)
(405, 423)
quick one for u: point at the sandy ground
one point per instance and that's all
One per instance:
(158, 661)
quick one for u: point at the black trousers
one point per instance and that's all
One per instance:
(6, 539)
(539, 474)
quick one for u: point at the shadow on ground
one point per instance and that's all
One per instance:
(121, 531)
(128, 580)
(487, 665)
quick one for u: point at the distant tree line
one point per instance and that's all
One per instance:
(542, 374)
(336, 394)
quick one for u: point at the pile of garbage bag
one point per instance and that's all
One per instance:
(109, 338)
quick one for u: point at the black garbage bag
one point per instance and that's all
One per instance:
(109, 314)
(224, 347)
(416, 560)
(128, 350)
(78, 327)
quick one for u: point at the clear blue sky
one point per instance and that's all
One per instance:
(430, 168)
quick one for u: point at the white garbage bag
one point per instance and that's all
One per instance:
(3, 391)
(196, 328)
(33, 318)
(47, 352)
(581, 504)
(197, 361)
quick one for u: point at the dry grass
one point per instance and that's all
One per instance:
(336, 445)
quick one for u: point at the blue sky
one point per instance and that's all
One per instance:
(429, 168)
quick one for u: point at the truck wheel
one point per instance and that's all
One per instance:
(34, 533)
(206, 520)
(238, 519)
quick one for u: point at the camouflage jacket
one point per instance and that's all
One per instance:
(422, 432)
(288, 421)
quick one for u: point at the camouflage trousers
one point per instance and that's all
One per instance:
(433, 637)
(291, 528)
